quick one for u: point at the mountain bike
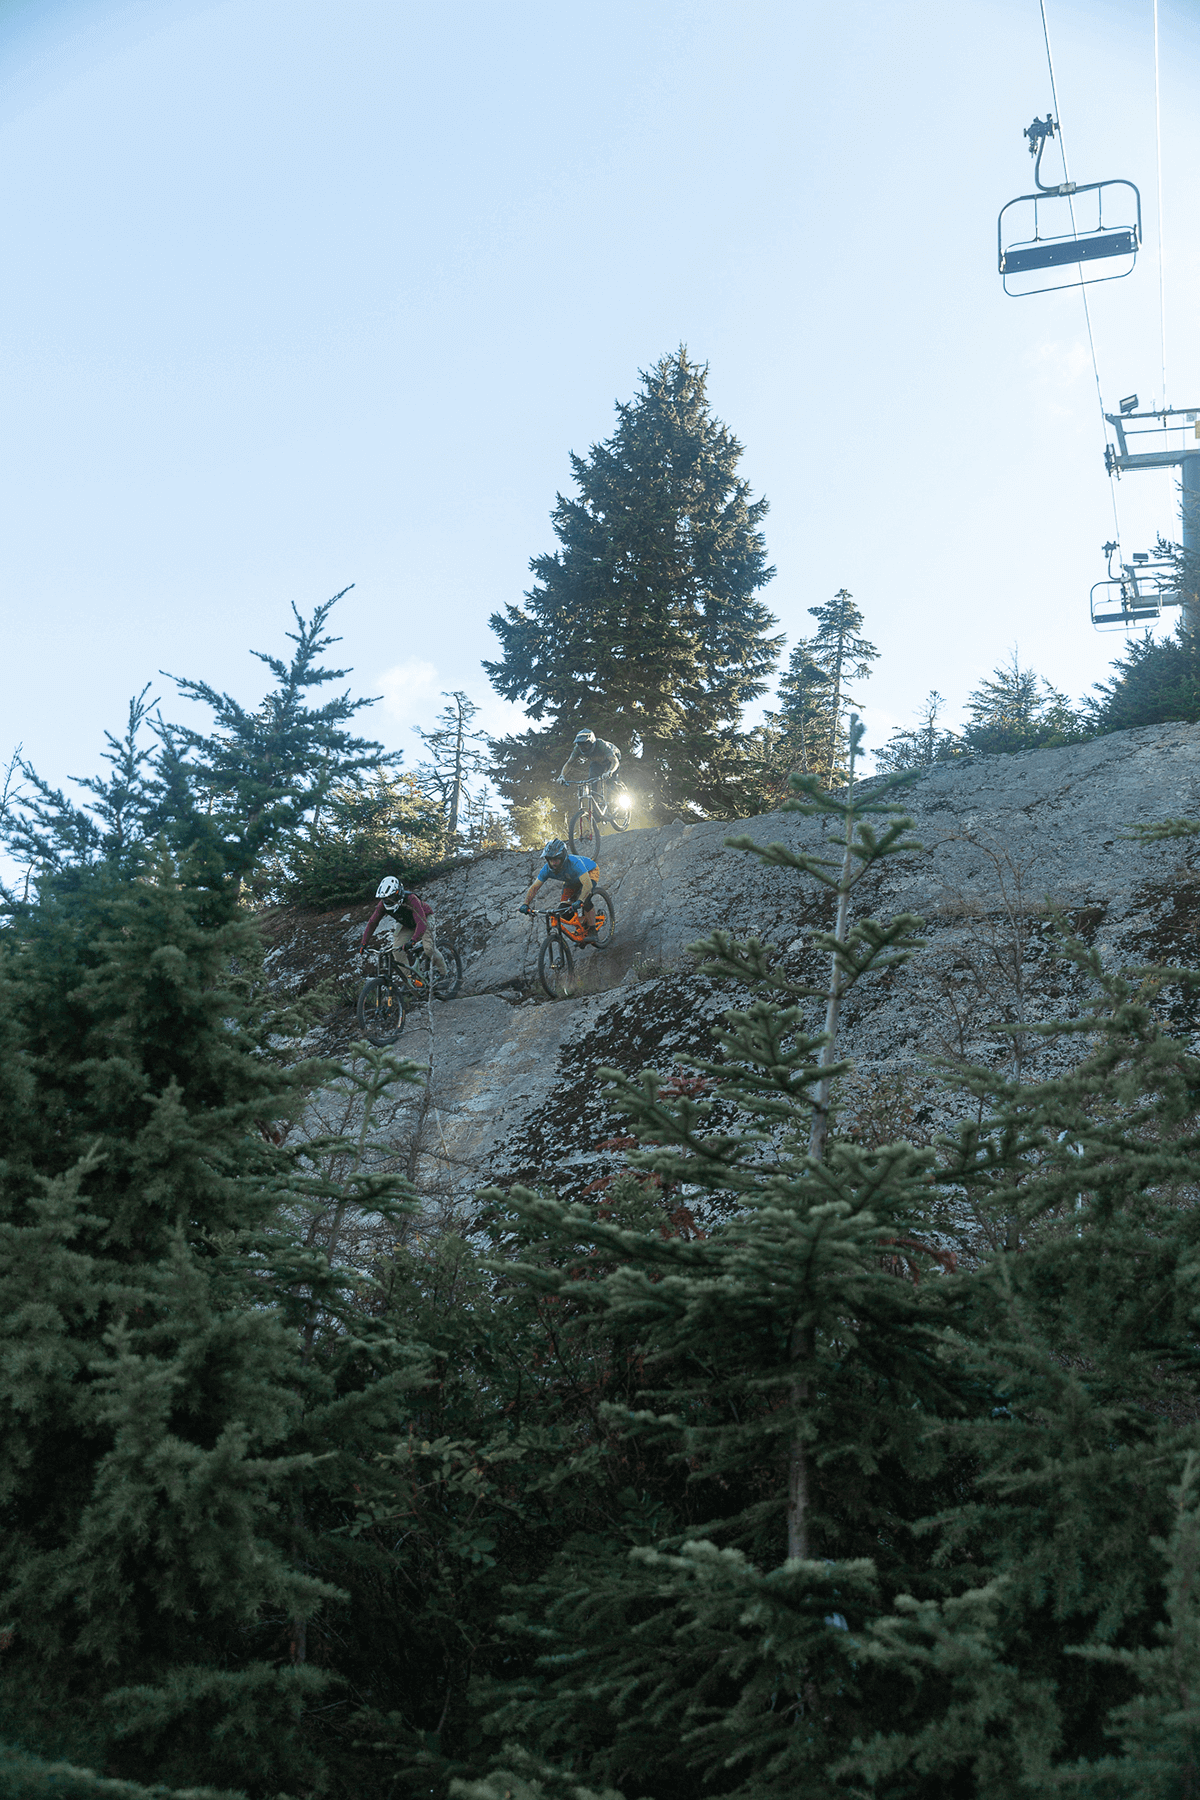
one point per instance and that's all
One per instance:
(597, 809)
(565, 934)
(386, 997)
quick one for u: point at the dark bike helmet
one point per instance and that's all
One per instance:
(585, 740)
(555, 852)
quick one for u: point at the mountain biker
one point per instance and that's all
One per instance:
(592, 759)
(408, 918)
(578, 876)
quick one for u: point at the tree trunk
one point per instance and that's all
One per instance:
(819, 1134)
(799, 1349)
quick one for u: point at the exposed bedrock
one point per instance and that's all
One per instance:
(512, 1090)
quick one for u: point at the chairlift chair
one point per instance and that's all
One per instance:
(1136, 595)
(1029, 245)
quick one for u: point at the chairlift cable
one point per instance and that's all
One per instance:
(1162, 305)
(1087, 313)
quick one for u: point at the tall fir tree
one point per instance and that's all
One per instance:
(231, 802)
(457, 757)
(644, 625)
(161, 1419)
(807, 734)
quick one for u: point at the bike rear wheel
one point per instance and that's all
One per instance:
(556, 968)
(582, 834)
(446, 986)
(380, 1010)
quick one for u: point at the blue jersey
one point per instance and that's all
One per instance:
(573, 867)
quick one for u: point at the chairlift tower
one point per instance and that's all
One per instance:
(1175, 433)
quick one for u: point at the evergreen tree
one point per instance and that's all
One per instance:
(791, 1373)
(160, 1420)
(44, 829)
(265, 773)
(796, 738)
(922, 746)
(1019, 710)
(1045, 1404)
(380, 824)
(1081, 1325)
(1160, 1727)
(230, 802)
(27, 1777)
(1155, 679)
(457, 757)
(808, 733)
(644, 624)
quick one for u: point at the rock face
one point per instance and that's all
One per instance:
(511, 1091)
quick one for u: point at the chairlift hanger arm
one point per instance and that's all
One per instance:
(1039, 135)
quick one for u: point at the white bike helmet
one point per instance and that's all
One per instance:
(388, 889)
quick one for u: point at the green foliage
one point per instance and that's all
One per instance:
(163, 1411)
(726, 1481)
(26, 1777)
(525, 1777)
(228, 802)
(921, 747)
(992, 1728)
(384, 824)
(457, 758)
(1019, 710)
(1159, 1728)
(789, 1378)
(1155, 679)
(644, 625)
(808, 733)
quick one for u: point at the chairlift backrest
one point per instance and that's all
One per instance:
(1044, 231)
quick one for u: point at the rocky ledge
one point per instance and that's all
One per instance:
(510, 1089)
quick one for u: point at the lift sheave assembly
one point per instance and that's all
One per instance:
(1066, 227)
(1161, 437)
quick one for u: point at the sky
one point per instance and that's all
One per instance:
(301, 294)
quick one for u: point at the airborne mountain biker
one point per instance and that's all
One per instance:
(408, 918)
(591, 759)
(578, 876)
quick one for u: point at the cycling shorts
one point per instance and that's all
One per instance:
(579, 889)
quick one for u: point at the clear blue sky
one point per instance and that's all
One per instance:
(305, 294)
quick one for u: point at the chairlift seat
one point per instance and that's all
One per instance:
(1022, 258)
(1131, 617)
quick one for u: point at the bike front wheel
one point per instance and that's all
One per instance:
(620, 811)
(606, 918)
(380, 1011)
(446, 986)
(583, 835)
(556, 968)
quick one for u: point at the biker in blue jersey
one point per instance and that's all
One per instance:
(577, 874)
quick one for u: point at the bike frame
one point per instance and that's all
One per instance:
(389, 968)
(557, 920)
(596, 802)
